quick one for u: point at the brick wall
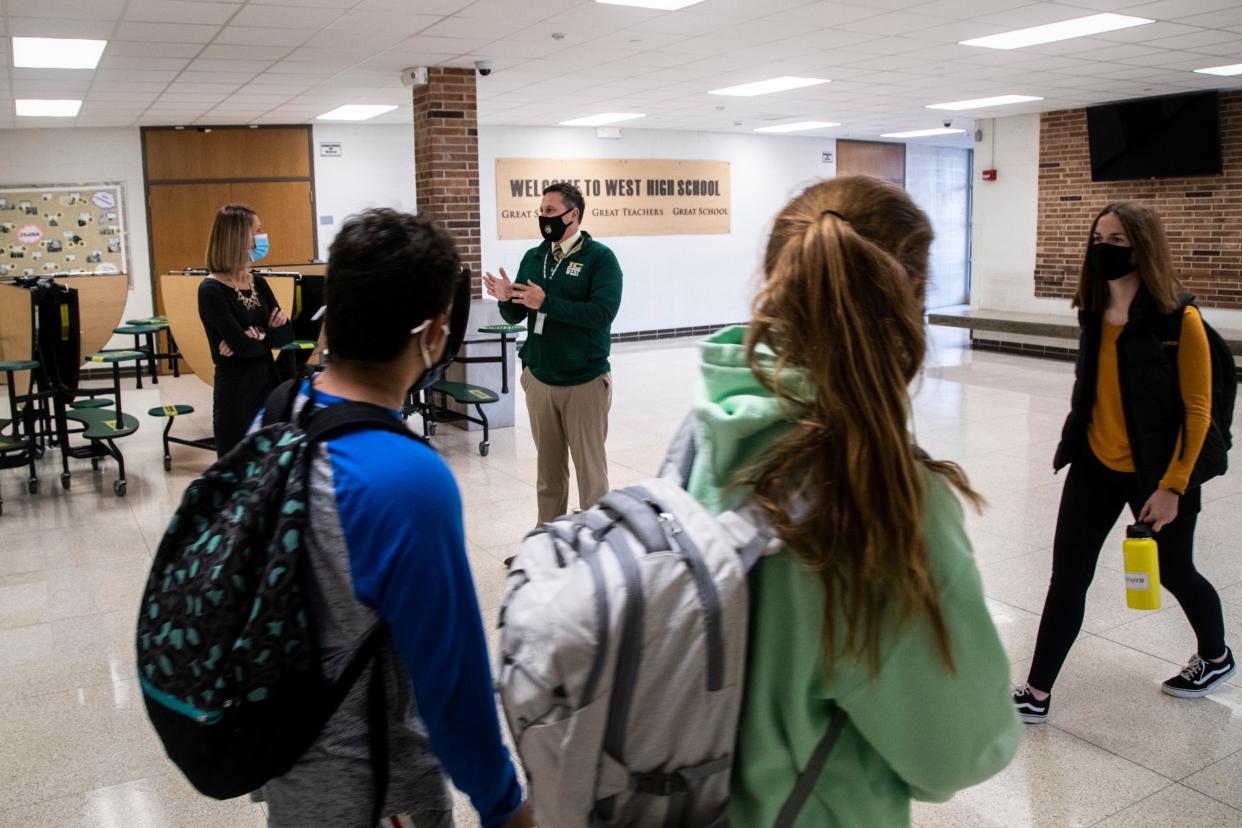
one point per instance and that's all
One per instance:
(1203, 215)
(446, 160)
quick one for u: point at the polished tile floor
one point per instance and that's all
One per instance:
(75, 747)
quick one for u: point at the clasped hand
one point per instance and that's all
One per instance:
(526, 294)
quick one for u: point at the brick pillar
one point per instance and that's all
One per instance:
(446, 160)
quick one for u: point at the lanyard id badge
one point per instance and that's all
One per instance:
(540, 318)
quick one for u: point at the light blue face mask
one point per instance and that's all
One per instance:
(260, 247)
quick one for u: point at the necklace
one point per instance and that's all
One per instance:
(249, 302)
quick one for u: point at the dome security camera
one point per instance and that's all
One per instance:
(484, 67)
(948, 124)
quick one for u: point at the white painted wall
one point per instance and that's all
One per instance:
(83, 156)
(376, 169)
(1005, 211)
(670, 281)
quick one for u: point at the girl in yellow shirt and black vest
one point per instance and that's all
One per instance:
(1139, 433)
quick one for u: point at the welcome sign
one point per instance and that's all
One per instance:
(624, 196)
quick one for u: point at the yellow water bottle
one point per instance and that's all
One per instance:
(1142, 562)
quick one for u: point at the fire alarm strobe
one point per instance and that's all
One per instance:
(989, 175)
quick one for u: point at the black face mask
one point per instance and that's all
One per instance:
(1110, 261)
(553, 228)
(459, 317)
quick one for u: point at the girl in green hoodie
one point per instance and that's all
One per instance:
(875, 608)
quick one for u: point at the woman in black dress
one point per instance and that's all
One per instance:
(243, 324)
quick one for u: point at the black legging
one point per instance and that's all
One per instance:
(1093, 497)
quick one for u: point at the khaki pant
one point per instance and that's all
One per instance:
(568, 420)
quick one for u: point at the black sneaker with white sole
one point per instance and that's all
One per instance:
(1200, 677)
(1029, 709)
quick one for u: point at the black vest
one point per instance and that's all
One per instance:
(1151, 396)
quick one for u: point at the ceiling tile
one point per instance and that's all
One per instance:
(52, 27)
(111, 60)
(270, 16)
(237, 78)
(165, 75)
(365, 44)
(262, 37)
(1174, 9)
(217, 51)
(208, 65)
(387, 22)
(166, 32)
(94, 10)
(180, 11)
(476, 27)
(150, 49)
(423, 6)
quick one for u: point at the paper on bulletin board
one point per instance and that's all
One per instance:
(624, 196)
(63, 229)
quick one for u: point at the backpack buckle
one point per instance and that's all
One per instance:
(659, 784)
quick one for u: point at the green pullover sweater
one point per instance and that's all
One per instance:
(914, 729)
(583, 295)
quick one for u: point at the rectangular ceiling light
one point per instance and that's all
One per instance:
(661, 5)
(767, 87)
(923, 133)
(800, 126)
(981, 103)
(1052, 32)
(33, 108)
(57, 53)
(1222, 71)
(356, 112)
(604, 118)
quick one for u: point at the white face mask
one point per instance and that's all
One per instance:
(422, 342)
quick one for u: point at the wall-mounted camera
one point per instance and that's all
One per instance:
(484, 67)
(948, 124)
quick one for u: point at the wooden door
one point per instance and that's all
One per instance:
(191, 174)
(181, 217)
(874, 158)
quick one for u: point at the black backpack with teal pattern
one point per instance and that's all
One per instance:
(228, 658)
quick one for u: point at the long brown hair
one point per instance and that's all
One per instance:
(842, 305)
(1146, 233)
(228, 250)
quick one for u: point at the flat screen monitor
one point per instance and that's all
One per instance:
(1173, 136)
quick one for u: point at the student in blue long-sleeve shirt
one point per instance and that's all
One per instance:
(388, 544)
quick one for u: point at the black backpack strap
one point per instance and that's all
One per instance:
(279, 405)
(339, 418)
(810, 774)
(371, 652)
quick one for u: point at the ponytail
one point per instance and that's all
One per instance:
(842, 307)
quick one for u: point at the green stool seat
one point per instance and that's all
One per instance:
(19, 364)
(13, 444)
(170, 410)
(300, 345)
(466, 393)
(160, 322)
(102, 423)
(116, 356)
(502, 329)
(138, 330)
(97, 402)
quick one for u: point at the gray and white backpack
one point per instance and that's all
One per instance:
(623, 657)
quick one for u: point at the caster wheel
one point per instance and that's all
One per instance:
(39, 452)
(484, 447)
(64, 480)
(431, 430)
(32, 485)
(118, 486)
(167, 464)
(95, 464)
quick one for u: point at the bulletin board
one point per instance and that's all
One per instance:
(63, 229)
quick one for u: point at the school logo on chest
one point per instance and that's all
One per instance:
(574, 268)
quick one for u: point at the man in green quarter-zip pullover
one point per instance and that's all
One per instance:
(567, 291)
